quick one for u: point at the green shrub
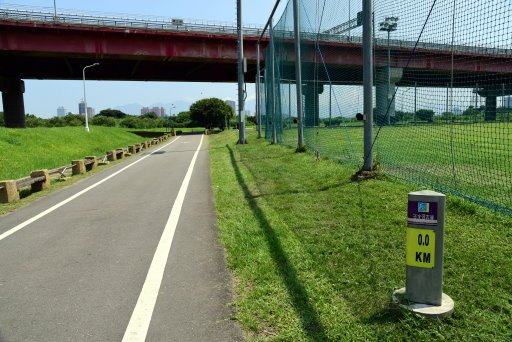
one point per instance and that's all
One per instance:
(73, 120)
(103, 121)
(130, 122)
(33, 121)
(55, 122)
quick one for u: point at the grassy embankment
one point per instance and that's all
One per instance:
(316, 256)
(24, 150)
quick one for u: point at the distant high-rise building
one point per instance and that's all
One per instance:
(61, 111)
(81, 108)
(232, 104)
(159, 111)
(90, 112)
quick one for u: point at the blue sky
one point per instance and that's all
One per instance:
(43, 97)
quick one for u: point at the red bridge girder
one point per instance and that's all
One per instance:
(43, 51)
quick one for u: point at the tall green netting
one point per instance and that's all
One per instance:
(442, 90)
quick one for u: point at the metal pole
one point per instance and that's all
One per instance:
(241, 121)
(502, 95)
(298, 74)
(368, 83)
(272, 83)
(85, 103)
(415, 102)
(330, 103)
(54, 11)
(476, 97)
(389, 80)
(447, 89)
(349, 17)
(258, 98)
(289, 104)
(85, 98)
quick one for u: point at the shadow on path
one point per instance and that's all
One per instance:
(306, 312)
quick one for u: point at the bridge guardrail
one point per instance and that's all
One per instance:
(21, 15)
(43, 15)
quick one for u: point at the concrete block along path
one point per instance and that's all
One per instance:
(128, 254)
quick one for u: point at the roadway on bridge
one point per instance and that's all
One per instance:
(78, 273)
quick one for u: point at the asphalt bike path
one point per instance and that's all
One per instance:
(130, 255)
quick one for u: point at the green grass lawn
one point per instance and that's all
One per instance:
(472, 160)
(316, 256)
(24, 150)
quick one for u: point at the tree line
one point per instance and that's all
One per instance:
(208, 113)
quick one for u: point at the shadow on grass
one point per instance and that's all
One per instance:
(303, 191)
(385, 316)
(306, 312)
(146, 134)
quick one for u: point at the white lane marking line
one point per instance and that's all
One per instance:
(138, 326)
(78, 194)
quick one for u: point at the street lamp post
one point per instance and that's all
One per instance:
(389, 25)
(85, 99)
(170, 118)
(54, 11)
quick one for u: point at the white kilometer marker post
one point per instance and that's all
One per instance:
(423, 292)
(141, 317)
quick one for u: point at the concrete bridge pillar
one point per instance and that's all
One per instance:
(490, 107)
(384, 94)
(311, 92)
(490, 93)
(12, 99)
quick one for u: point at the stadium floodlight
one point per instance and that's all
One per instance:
(389, 25)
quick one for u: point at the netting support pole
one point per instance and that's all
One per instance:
(258, 98)
(415, 102)
(241, 121)
(502, 95)
(447, 97)
(330, 103)
(476, 96)
(298, 75)
(273, 82)
(289, 104)
(368, 83)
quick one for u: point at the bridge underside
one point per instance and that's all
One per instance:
(69, 67)
(353, 75)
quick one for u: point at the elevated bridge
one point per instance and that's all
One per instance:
(36, 44)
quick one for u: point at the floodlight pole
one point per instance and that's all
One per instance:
(298, 74)
(85, 99)
(258, 98)
(241, 100)
(389, 25)
(368, 83)
(389, 80)
(273, 80)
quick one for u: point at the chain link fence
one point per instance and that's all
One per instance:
(442, 90)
